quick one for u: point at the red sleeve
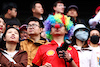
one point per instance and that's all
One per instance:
(38, 58)
(74, 55)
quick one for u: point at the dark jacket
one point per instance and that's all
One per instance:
(12, 21)
(20, 58)
(78, 21)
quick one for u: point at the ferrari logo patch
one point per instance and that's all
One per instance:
(69, 48)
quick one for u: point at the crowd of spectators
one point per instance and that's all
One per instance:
(61, 39)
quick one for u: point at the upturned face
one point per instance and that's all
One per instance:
(58, 31)
(12, 35)
(38, 9)
(33, 28)
(59, 8)
(72, 12)
(23, 34)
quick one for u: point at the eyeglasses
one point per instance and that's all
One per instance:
(33, 25)
(62, 6)
(53, 25)
(16, 10)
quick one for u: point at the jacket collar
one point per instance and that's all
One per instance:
(39, 42)
(1, 50)
(82, 49)
(20, 51)
(55, 43)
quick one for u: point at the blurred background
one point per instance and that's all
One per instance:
(86, 8)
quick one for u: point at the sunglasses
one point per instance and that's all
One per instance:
(57, 25)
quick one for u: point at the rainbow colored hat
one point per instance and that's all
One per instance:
(58, 18)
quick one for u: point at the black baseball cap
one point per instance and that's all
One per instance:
(72, 6)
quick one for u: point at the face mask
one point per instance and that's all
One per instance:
(82, 35)
(94, 39)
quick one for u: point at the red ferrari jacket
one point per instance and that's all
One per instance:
(47, 53)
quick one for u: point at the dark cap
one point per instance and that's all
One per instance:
(72, 6)
(24, 26)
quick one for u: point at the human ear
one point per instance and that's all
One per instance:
(9, 11)
(76, 14)
(66, 32)
(54, 8)
(4, 38)
(41, 29)
(33, 10)
(8, 26)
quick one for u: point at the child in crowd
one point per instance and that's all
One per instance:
(23, 32)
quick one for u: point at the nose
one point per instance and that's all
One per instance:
(63, 7)
(41, 8)
(57, 26)
(13, 33)
(31, 27)
(25, 33)
(1, 24)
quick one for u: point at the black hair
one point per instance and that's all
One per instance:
(2, 18)
(35, 19)
(95, 29)
(33, 4)
(55, 4)
(3, 43)
(12, 22)
(8, 5)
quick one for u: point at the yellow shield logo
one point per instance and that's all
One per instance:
(50, 53)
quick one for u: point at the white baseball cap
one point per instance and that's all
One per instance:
(79, 26)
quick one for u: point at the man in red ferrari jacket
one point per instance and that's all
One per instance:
(47, 55)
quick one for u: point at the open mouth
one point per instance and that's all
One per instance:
(12, 37)
(30, 31)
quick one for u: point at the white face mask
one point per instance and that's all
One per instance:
(82, 35)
